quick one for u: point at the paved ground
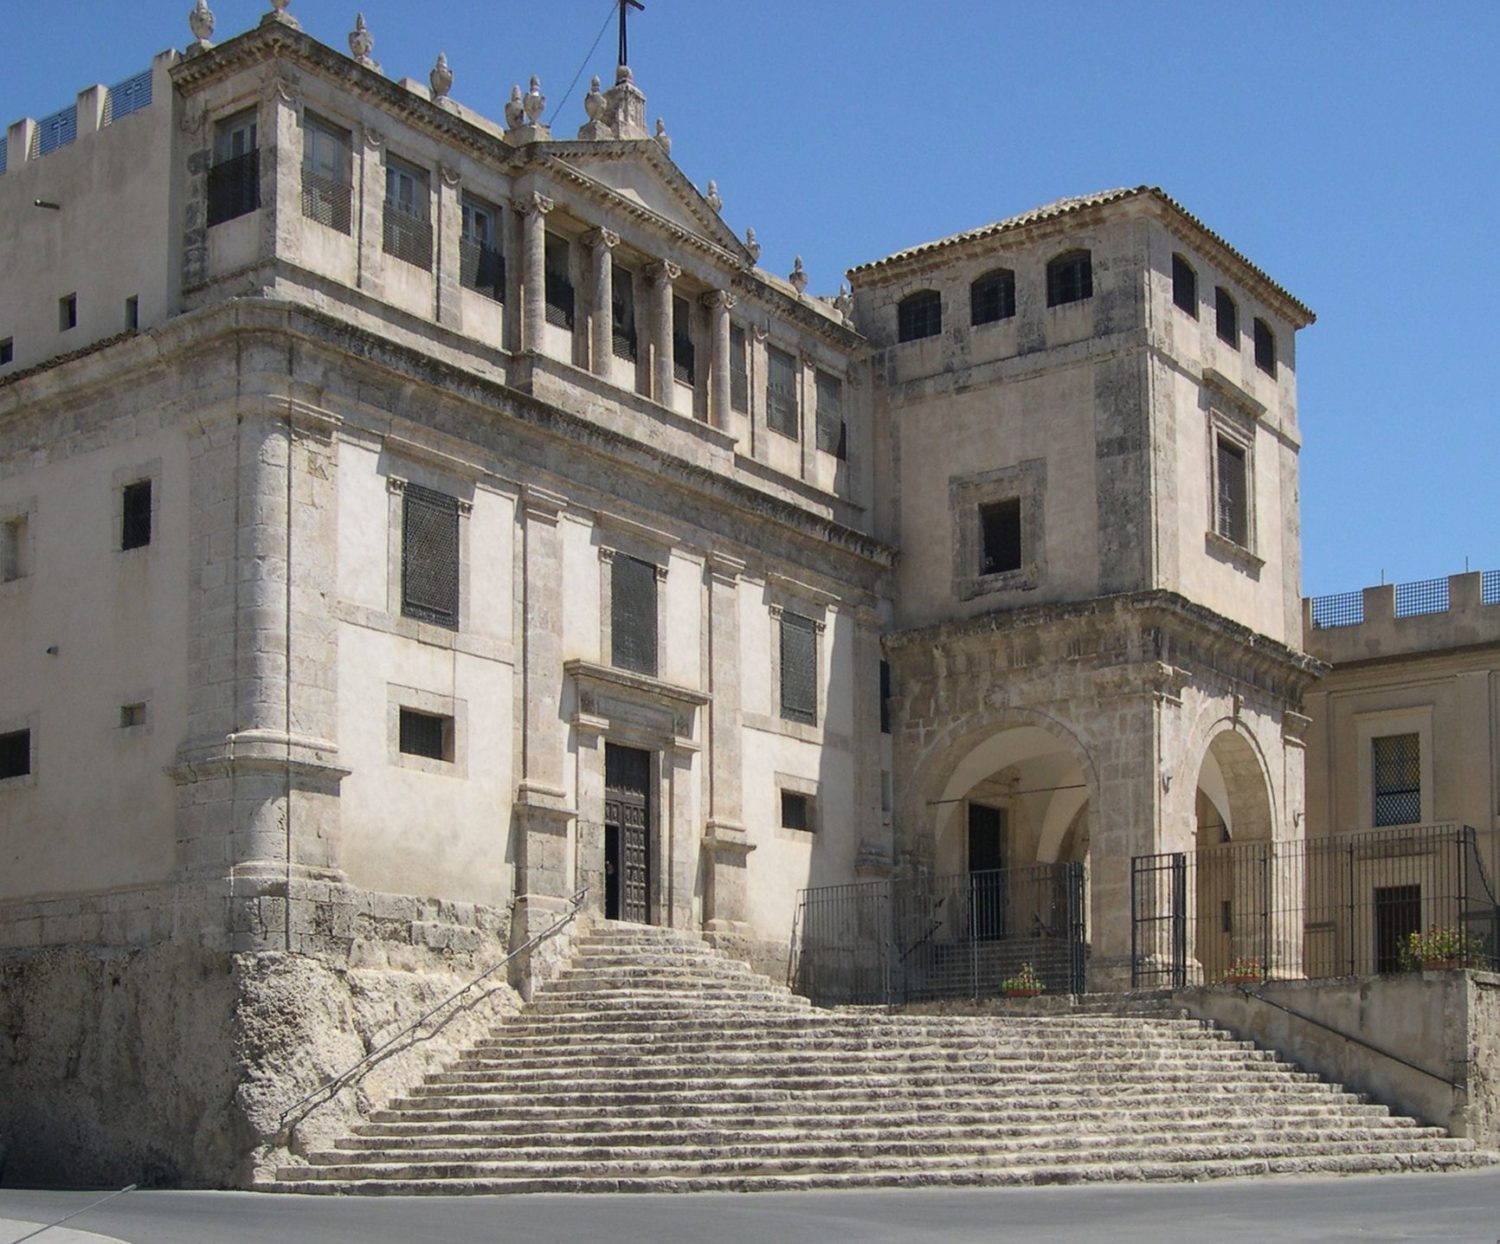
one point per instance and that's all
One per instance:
(1455, 1209)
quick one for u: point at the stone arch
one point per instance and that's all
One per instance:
(1232, 773)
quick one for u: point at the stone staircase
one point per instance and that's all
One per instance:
(655, 1064)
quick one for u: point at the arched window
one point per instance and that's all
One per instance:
(1228, 316)
(1184, 286)
(1265, 347)
(1070, 278)
(992, 297)
(919, 315)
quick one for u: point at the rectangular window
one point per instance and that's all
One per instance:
(132, 715)
(1184, 286)
(1000, 536)
(132, 313)
(799, 669)
(135, 513)
(622, 313)
(1265, 347)
(234, 178)
(559, 282)
(1227, 317)
(481, 266)
(408, 218)
(429, 556)
(1397, 770)
(67, 312)
(1232, 504)
(781, 392)
(739, 370)
(833, 433)
(684, 355)
(15, 754)
(7, 350)
(14, 549)
(327, 195)
(992, 298)
(796, 811)
(632, 615)
(426, 734)
(885, 697)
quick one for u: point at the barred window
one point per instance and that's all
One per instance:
(426, 734)
(739, 370)
(481, 266)
(799, 669)
(833, 432)
(1265, 347)
(15, 754)
(684, 354)
(408, 218)
(1397, 765)
(796, 811)
(429, 556)
(632, 615)
(1232, 499)
(1070, 278)
(234, 178)
(326, 192)
(622, 311)
(919, 315)
(1227, 317)
(781, 392)
(992, 297)
(558, 282)
(135, 514)
(1000, 536)
(1184, 286)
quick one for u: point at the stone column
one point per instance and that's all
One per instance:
(719, 303)
(601, 244)
(725, 903)
(662, 274)
(532, 211)
(447, 277)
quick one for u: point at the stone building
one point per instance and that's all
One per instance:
(425, 519)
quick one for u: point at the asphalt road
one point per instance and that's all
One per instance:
(1455, 1209)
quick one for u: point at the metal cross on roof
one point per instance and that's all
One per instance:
(625, 7)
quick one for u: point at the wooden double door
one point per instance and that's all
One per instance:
(627, 834)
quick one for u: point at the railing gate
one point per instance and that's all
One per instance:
(1158, 921)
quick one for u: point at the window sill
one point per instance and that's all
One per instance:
(1022, 580)
(1227, 550)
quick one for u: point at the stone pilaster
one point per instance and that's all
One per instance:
(532, 211)
(370, 206)
(449, 228)
(661, 275)
(280, 171)
(727, 845)
(601, 244)
(719, 303)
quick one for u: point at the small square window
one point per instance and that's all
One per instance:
(15, 754)
(1070, 278)
(7, 350)
(1000, 536)
(132, 314)
(132, 715)
(796, 811)
(919, 315)
(15, 549)
(429, 735)
(135, 505)
(67, 312)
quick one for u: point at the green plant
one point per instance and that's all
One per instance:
(1442, 943)
(1024, 981)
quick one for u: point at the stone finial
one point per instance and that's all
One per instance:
(278, 13)
(515, 109)
(714, 201)
(441, 78)
(662, 136)
(362, 43)
(535, 102)
(844, 303)
(798, 278)
(201, 23)
(594, 102)
(752, 244)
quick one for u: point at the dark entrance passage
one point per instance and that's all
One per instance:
(627, 834)
(986, 880)
(1398, 914)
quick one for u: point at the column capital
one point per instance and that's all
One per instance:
(663, 270)
(605, 238)
(716, 298)
(526, 204)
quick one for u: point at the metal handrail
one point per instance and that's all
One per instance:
(346, 1077)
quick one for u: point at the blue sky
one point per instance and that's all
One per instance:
(1349, 149)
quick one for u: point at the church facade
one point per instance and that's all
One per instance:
(428, 523)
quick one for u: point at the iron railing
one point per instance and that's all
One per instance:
(1328, 907)
(234, 187)
(481, 268)
(1423, 596)
(407, 235)
(1341, 609)
(327, 200)
(882, 943)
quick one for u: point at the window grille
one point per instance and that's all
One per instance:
(833, 432)
(234, 187)
(1232, 512)
(739, 370)
(1070, 278)
(4, 159)
(128, 96)
(1341, 609)
(919, 315)
(1000, 536)
(407, 235)
(622, 312)
(1423, 596)
(481, 266)
(1489, 587)
(58, 130)
(632, 615)
(992, 298)
(559, 282)
(135, 527)
(425, 734)
(781, 392)
(1397, 764)
(326, 193)
(429, 556)
(1184, 286)
(684, 354)
(327, 201)
(796, 811)
(799, 669)
(15, 754)
(1265, 347)
(1227, 316)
